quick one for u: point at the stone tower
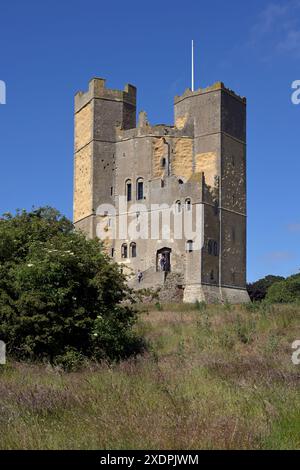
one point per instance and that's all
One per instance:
(97, 114)
(198, 163)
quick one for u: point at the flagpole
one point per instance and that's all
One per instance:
(192, 65)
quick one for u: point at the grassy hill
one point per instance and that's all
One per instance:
(214, 377)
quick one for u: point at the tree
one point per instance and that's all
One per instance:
(258, 290)
(285, 291)
(59, 292)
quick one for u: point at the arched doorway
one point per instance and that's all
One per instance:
(163, 260)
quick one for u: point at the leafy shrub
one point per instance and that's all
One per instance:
(71, 360)
(53, 285)
(285, 291)
(113, 335)
(258, 290)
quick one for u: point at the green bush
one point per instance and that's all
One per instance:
(71, 360)
(286, 291)
(113, 335)
(258, 290)
(53, 285)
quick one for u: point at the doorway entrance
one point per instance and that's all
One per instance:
(163, 260)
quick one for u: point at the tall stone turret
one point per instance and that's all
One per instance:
(216, 117)
(98, 112)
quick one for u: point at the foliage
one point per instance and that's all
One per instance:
(258, 290)
(285, 291)
(217, 380)
(114, 336)
(53, 285)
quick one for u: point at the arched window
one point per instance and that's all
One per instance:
(124, 250)
(133, 249)
(177, 207)
(210, 247)
(139, 189)
(163, 162)
(212, 275)
(128, 190)
(162, 184)
(190, 246)
(188, 204)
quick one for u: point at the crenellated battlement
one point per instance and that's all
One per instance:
(144, 128)
(188, 93)
(98, 90)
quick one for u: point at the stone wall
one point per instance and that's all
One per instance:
(202, 158)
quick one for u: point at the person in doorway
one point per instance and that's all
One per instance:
(162, 262)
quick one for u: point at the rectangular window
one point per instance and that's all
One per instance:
(140, 190)
(129, 192)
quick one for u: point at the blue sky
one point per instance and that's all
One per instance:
(50, 49)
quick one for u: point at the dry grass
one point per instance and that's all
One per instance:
(217, 377)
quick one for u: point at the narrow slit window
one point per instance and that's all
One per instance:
(140, 190)
(215, 249)
(188, 204)
(129, 190)
(178, 207)
(133, 249)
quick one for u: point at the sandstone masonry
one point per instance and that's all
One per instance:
(199, 161)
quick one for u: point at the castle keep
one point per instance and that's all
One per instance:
(198, 163)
